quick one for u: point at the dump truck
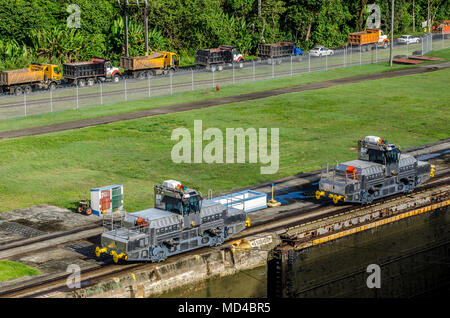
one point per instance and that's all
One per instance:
(89, 72)
(369, 39)
(36, 76)
(155, 63)
(274, 52)
(218, 58)
(442, 28)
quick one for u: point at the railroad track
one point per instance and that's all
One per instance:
(120, 92)
(311, 214)
(50, 236)
(90, 275)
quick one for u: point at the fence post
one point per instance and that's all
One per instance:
(309, 62)
(77, 97)
(326, 62)
(360, 55)
(233, 72)
(291, 65)
(254, 75)
(171, 84)
(101, 93)
(351, 53)
(149, 87)
(273, 68)
(376, 52)
(25, 102)
(443, 43)
(192, 71)
(422, 43)
(51, 101)
(431, 46)
(213, 79)
(407, 49)
(125, 89)
(345, 55)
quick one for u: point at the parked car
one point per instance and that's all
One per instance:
(408, 39)
(321, 51)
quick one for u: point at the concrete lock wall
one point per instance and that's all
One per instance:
(185, 270)
(413, 255)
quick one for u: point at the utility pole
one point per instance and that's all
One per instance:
(125, 19)
(146, 26)
(429, 18)
(392, 32)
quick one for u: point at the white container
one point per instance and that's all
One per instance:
(247, 201)
(372, 139)
(171, 184)
(108, 199)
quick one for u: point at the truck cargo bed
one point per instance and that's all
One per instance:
(155, 60)
(86, 69)
(22, 76)
(214, 56)
(364, 37)
(280, 49)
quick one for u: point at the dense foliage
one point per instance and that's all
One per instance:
(36, 30)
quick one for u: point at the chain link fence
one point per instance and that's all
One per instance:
(67, 98)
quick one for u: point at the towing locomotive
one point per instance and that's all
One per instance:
(380, 171)
(180, 221)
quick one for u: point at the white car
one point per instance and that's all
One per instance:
(408, 39)
(321, 51)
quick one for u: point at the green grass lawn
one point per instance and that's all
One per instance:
(198, 95)
(316, 127)
(12, 270)
(148, 103)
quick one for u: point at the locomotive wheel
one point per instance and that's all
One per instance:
(115, 257)
(90, 82)
(97, 251)
(88, 211)
(318, 195)
(80, 209)
(52, 86)
(116, 79)
(335, 199)
(81, 83)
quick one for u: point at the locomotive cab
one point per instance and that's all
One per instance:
(174, 197)
(376, 150)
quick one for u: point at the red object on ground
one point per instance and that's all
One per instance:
(405, 61)
(426, 58)
(217, 88)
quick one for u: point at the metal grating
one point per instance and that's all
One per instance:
(20, 229)
(83, 249)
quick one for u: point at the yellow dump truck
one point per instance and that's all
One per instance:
(154, 64)
(36, 76)
(369, 39)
